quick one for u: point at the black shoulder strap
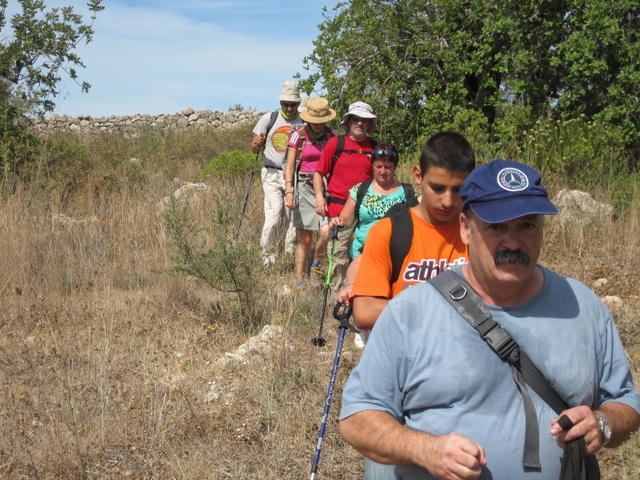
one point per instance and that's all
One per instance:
(401, 238)
(339, 150)
(468, 304)
(362, 191)
(272, 121)
(409, 192)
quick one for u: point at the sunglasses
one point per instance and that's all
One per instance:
(383, 152)
(357, 119)
(288, 104)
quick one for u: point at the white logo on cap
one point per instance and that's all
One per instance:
(512, 179)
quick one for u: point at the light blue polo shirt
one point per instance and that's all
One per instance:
(429, 368)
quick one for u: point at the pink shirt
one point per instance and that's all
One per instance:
(311, 149)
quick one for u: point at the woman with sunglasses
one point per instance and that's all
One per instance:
(305, 147)
(384, 191)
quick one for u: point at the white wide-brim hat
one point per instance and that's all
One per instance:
(358, 109)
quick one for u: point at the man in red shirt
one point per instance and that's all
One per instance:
(352, 165)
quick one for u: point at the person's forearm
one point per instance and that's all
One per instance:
(290, 168)
(366, 310)
(318, 186)
(347, 214)
(378, 436)
(623, 421)
(352, 270)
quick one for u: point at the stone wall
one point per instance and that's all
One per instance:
(186, 118)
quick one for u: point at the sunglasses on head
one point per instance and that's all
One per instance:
(288, 104)
(383, 152)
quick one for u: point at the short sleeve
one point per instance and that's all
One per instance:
(329, 150)
(353, 191)
(261, 126)
(375, 383)
(374, 275)
(616, 383)
(294, 138)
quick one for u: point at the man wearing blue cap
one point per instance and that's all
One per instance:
(429, 394)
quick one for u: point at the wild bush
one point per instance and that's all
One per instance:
(584, 153)
(216, 255)
(18, 146)
(230, 164)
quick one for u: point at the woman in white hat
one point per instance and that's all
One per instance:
(305, 146)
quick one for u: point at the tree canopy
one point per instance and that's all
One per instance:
(36, 46)
(422, 63)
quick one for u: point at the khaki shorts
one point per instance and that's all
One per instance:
(304, 215)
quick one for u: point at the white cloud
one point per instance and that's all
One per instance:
(154, 60)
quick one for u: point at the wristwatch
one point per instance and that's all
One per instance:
(603, 426)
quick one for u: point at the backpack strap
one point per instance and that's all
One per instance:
(272, 121)
(338, 152)
(302, 135)
(401, 230)
(362, 191)
(409, 192)
(401, 239)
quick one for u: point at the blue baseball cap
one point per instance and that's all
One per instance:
(501, 190)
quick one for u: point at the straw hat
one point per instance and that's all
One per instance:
(318, 111)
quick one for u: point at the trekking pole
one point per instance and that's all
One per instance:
(333, 235)
(341, 313)
(246, 197)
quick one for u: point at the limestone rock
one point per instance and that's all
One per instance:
(66, 221)
(184, 192)
(187, 118)
(260, 345)
(612, 301)
(600, 282)
(580, 207)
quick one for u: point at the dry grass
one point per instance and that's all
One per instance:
(106, 359)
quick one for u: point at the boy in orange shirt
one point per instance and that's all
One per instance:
(445, 162)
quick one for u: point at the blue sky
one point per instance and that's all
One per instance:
(158, 56)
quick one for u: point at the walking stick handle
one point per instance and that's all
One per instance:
(342, 312)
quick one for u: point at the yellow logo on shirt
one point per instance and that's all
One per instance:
(280, 137)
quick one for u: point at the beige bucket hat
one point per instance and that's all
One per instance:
(290, 92)
(318, 111)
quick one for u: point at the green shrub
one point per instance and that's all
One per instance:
(624, 190)
(510, 129)
(585, 153)
(475, 127)
(230, 164)
(220, 258)
(18, 146)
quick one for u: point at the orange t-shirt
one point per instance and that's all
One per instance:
(433, 250)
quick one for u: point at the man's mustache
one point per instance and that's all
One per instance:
(512, 256)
